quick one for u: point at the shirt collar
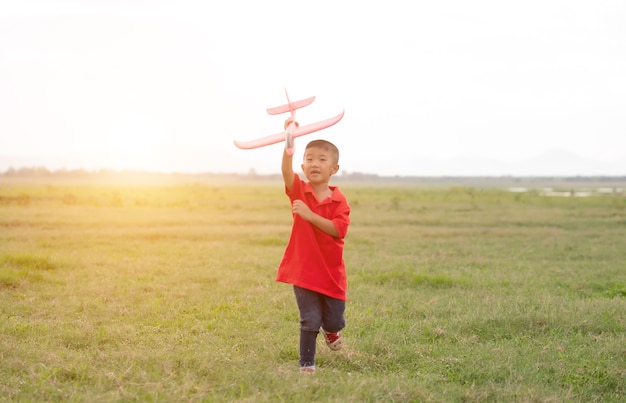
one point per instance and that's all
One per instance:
(334, 196)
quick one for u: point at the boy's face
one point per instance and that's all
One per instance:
(319, 165)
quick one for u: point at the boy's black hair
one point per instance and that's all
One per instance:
(326, 145)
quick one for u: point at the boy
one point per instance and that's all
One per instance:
(313, 260)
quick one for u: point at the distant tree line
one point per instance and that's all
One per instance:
(43, 172)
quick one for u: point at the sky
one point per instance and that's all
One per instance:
(447, 87)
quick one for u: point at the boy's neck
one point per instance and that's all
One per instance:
(320, 186)
(322, 190)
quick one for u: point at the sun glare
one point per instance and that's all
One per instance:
(136, 144)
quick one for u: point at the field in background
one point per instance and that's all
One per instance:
(167, 293)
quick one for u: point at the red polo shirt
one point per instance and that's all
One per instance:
(313, 259)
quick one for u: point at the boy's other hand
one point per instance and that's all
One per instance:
(300, 208)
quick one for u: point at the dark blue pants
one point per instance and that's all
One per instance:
(316, 310)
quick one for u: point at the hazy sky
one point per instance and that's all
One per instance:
(426, 85)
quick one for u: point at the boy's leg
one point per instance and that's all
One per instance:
(332, 314)
(307, 348)
(333, 321)
(310, 322)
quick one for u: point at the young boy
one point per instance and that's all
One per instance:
(313, 260)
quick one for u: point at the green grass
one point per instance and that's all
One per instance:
(167, 293)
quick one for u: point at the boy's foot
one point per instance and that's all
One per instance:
(334, 341)
(307, 370)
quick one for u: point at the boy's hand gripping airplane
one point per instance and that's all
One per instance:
(292, 131)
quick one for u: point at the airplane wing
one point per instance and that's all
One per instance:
(278, 137)
(264, 141)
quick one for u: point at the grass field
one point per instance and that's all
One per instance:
(167, 293)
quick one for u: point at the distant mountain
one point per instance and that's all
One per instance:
(551, 163)
(560, 163)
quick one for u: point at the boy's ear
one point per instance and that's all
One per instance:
(335, 168)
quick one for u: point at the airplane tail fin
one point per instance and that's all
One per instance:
(290, 106)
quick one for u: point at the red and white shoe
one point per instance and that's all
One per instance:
(307, 370)
(334, 341)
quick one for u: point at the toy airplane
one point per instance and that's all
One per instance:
(292, 131)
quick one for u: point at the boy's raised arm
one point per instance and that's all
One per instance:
(287, 169)
(287, 166)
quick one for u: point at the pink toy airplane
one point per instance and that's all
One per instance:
(292, 131)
